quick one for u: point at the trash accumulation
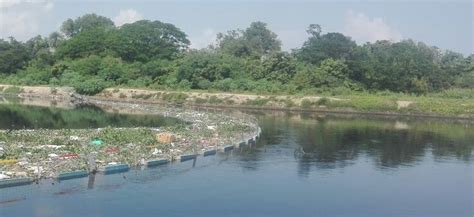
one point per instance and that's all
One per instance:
(47, 153)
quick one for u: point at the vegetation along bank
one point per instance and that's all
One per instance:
(90, 54)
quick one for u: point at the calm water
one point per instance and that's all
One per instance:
(14, 116)
(303, 165)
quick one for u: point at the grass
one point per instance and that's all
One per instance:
(12, 90)
(258, 102)
(447, 103)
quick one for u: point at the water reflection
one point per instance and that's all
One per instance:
(15, 116)
(329, 142)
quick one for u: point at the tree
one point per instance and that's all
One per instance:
(466, 79)
(261, 40)
(279, 67)
(39, 52)
(94, 41)
(320, 47)
(233, 43)
(54, 40)
(329, 74)
(255, 41)
(13, 56)
(145, 40)
(314, 30)
(333, 73)
(202, 67)
(70, 27)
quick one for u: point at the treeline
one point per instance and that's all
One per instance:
(90, 53)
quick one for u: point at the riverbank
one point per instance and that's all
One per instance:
(357, 103)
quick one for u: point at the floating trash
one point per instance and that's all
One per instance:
(97, 142)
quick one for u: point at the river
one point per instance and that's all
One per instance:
(304, 164)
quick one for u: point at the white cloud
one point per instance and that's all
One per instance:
(127, 16)
(204, 39)
(22, 18)
(5, 4)
(365, 29)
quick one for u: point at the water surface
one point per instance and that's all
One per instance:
(15, 116)
(303, 165)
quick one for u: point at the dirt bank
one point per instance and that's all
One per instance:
(369, 104)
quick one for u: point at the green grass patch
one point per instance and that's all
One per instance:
(12, 90)
(257, 102)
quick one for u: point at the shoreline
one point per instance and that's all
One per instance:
(331, 105)
(264, 108)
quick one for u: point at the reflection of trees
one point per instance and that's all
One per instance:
(334, 142)
(275, 131)
(17, 116)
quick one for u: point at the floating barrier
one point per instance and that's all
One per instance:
(187, 157)
(209, 152)
(115, 169)
(154, 163)
(73, 175)
(5, 183)
(227, 148)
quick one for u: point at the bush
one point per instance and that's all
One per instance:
(306, 104)
(323, 101)
(257, 102)
(90, 87)
(204, 84)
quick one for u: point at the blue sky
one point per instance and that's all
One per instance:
(442, 23)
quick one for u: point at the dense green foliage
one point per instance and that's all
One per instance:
(90, 53)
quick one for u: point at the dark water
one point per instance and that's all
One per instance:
(14, 116)
(303, 165)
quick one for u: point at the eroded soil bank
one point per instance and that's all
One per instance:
(390, 105)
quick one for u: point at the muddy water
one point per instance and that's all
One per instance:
(303, 165)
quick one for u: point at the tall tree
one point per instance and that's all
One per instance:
(54, 39)
(39, 51)
(255, 41)
(13, 56)
(95, 41)
(145, 40)
(70, 27)
(261, 40)
(320, 47)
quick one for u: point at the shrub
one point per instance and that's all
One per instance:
(306, 104)
(323, 101)
(200, 101)
(257, 102)
(289, 103)
(90, 87)
(215, 100)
